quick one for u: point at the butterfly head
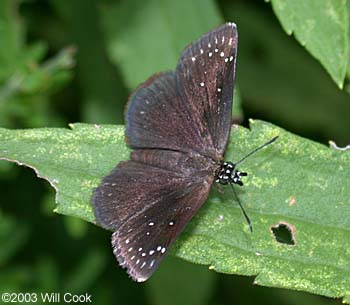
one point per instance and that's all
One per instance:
(228, 173)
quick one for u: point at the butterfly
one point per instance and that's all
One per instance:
(178, 124)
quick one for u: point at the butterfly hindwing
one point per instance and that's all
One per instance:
(145, 223)
(142, 241)
(119, 195)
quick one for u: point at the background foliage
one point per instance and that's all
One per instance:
(66, 61)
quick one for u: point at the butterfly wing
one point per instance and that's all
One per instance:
(205, 80)
(148, 205)
(189, 110)
(141, 245)
(156, 117)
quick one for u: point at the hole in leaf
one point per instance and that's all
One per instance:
(284, 233)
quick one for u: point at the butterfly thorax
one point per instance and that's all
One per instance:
(228, 173)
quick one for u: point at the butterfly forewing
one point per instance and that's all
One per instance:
(204, 79)
(157, 118)
(189, 110)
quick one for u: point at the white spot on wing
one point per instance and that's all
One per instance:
(202, 84)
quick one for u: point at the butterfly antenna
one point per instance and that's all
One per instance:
(242, 208)
(257, 149)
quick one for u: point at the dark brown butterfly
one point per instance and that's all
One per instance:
(178, 124)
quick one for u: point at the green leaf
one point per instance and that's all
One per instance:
(294, 181)
(322, 26)
(139, 48)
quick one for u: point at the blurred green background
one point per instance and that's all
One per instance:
(65, 61)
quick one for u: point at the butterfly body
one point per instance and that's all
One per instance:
(229, 174)
(178, 124)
